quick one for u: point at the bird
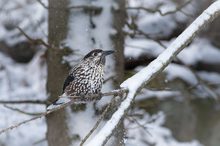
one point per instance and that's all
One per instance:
(85, 78)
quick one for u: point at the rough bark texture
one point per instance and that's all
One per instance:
(57, 133)
(119, 19)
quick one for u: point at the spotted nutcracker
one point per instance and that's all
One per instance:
(85, 78)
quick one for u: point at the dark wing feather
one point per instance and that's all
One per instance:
(68, 80)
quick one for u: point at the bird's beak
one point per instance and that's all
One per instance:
(105, 53)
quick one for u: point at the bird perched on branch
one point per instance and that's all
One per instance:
(85, 78)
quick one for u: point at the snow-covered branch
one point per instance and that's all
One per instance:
(136, 82)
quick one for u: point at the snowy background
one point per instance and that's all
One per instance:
(178, 108)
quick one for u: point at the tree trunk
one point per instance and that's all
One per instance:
(57, 132)
(119, 19)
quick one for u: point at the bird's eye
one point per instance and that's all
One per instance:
(95, 53)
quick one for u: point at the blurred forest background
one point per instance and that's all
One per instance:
(41, 40)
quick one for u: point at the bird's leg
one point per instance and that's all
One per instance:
(99, 96)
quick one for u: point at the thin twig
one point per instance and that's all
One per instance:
(43, 4)
(24, 102)
(137, 31)
(74, 99)
(143, 126)
(34, 41)
(98, 122)
(83, 7)
(21, 111)
(39, 141)
(149, 10)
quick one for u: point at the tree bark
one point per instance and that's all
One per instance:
(57, 132)
(119, 19)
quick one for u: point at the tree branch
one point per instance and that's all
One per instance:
(42, 4)
(24, 102)
(98, 122)
(83, 7)
(149, 10)
(21, 111)
(143, 77)
(34, 41)
(74, 99)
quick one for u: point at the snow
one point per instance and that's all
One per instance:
(154, 24)
(22, 81)
(82, 39)
(177, 71)
(154, 134)
(101, 136)
(137, 47)
(146, 93)
(142, 77)
(200, 50)
(210, 77)
(25, 81)
(15, 14)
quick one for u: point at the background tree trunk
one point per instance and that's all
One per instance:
(57, 133)
(119, 19)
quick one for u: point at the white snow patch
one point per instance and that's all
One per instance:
(174, 71)
(158, 94)
(22, 81)
(210, 77)
(137, 47)
(155, 133)
(200, 50)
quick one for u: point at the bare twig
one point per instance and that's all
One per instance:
(24, 102)
(74, 99)
(108, 79)
(98, 122)
(149, 10)
(86, 7)
(34, 41)
(43, 4)
(21, 111)
(82, 7)
(208, 90)
(39, 141)
(136, 31)
(143, 126)
(148, 37)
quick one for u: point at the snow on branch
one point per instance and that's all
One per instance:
(136, 82)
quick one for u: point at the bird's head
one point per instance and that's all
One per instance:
(97, 56)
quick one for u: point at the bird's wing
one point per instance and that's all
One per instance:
(67, 81)
(70, 77)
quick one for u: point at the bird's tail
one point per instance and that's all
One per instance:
(62, 100)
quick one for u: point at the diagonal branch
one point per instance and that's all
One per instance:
(139, 80)
(34, 41)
